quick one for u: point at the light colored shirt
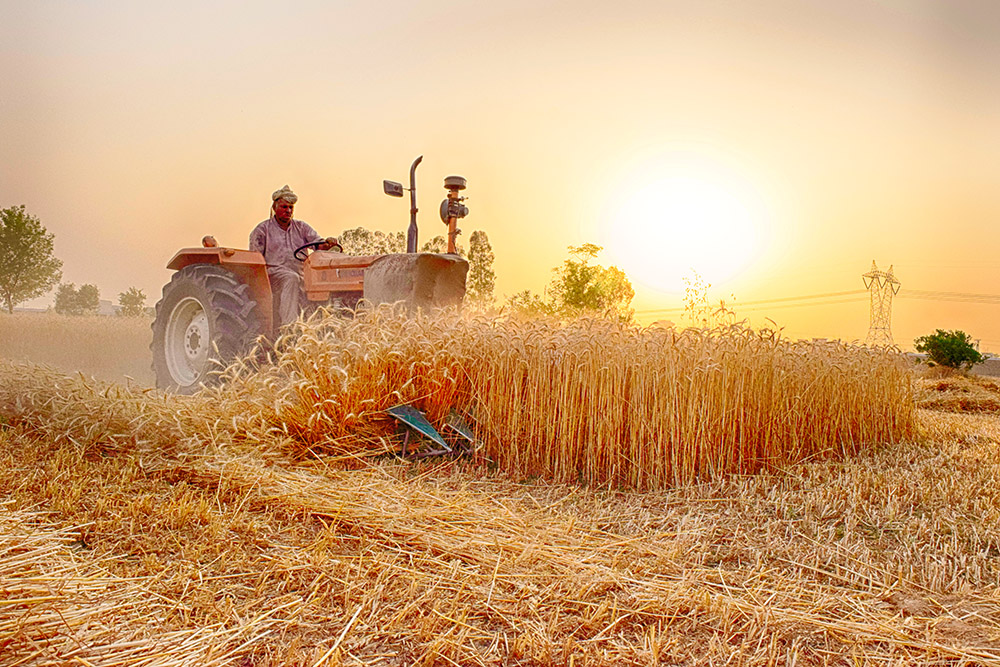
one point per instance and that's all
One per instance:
(278, 245)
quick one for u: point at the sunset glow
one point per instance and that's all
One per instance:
(671, 228)
(775, 147)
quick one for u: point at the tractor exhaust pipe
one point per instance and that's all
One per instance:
(411, 232)
(452, 208)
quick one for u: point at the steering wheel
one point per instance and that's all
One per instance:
(300, 252)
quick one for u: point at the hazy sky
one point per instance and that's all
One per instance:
(775, 147)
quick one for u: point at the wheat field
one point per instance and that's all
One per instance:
(108, 348)
(266, 522)
(592, 400)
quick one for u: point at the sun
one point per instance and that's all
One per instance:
(683, 223)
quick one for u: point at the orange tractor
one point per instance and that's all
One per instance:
(219, 301)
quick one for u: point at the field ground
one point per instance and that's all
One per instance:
(108, 348)
(122, 543)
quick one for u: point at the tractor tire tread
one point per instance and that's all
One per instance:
(233, 317)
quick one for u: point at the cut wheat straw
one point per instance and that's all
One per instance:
(230, 558)
(145, 529)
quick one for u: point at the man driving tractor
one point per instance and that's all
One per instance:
(220, 301)
(277, 238)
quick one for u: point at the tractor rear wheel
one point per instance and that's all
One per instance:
(204, 320)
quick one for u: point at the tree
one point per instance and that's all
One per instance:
(529, 304)
(697, 308)
(132, 303)
(482, 278)
(953, 349)
(27, 265)
(360, 241)
(73, 301)
(89, 299)
(580, 286)
(439, 244)
(66, 299)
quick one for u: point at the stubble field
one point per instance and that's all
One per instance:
(850, 518)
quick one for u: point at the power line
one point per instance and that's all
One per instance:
(737, 306)
(802, 298)
(821, 300)
(966, 297)
(783, 300)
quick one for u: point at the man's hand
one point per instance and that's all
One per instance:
(329, 243)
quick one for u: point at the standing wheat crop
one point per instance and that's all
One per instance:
(589, 400)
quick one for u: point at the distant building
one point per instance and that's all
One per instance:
(990, 366)
(104, 307)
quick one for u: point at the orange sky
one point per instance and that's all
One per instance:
(840, 132)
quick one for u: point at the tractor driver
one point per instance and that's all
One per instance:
(277, 239)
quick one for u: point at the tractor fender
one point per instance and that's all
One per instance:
(248, 265)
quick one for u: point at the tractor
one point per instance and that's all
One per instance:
(219, 301)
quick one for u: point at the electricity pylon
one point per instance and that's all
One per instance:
(882, 285)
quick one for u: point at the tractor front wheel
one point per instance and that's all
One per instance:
(205, 319)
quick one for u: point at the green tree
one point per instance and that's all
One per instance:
(579, 286)
(89, 299)
(66, 299)
(73, 301)
(361, 241)
(27, 266)
(953, 349)
(439, 244)
(528, 303)
(132, 302)
(482, 278)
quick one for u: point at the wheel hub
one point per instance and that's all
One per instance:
(187, 342)
(193, 337)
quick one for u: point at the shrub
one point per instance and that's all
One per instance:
(953, 349)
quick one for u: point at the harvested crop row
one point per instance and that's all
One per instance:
(57, 605)
(385, 566)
